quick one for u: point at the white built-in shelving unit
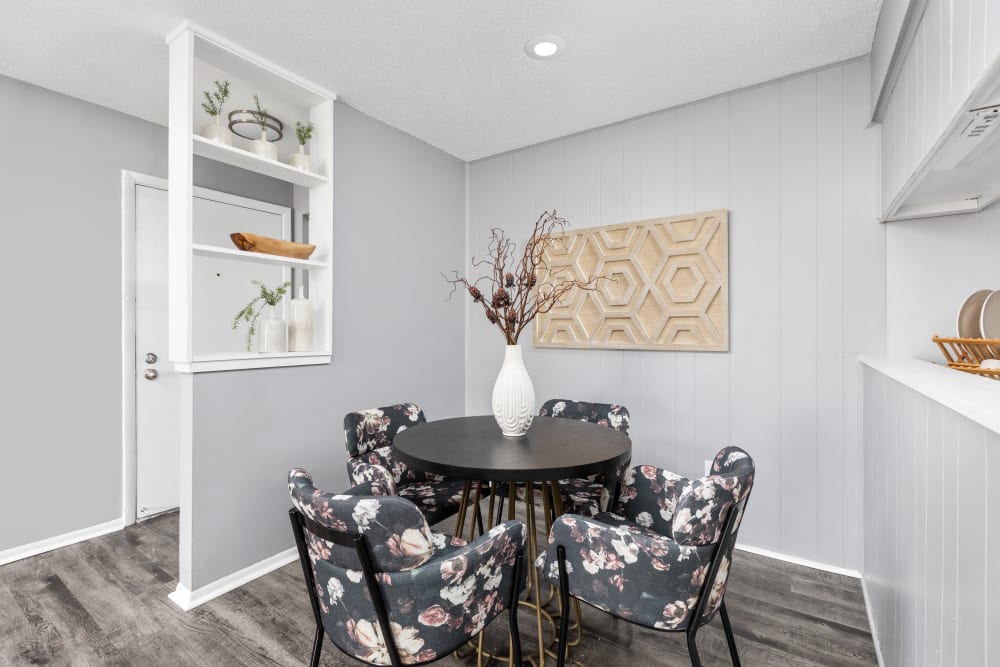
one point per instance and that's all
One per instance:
(197, 58)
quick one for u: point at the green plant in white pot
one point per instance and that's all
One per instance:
(273, 329)
(303, 132)
(216, 130)
(262, 146)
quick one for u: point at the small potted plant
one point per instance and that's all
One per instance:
(304, 133)
(273, 330)
(216, 130)
(262, 146)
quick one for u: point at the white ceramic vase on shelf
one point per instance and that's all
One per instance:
(513, 395)
(263, 147)
(272, 332)
(301, 322)
(217, 132)
(300, 160)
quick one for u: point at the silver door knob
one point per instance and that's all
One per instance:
(150, 358)
(150, 374)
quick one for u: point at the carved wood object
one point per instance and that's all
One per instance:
(270, 246)
(668, 286)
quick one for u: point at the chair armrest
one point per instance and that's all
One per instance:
(378, 477)
(626, 570)
(649, 495)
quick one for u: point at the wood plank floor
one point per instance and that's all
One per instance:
(104, 602)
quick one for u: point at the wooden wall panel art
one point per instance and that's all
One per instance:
(668, 286)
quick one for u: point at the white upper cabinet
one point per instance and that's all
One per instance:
(939, 151)
(198, 58)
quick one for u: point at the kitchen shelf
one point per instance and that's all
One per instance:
(203, 250)
(198, 57)
(237, 157)
(229, 361)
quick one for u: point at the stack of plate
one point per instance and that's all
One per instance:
(979, 316)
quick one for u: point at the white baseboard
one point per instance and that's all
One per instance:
(799, 561)
(187, 599)
(871, 623)
(66, 539)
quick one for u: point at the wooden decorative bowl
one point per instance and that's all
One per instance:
(269, 246)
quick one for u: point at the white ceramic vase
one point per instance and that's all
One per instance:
(301, 325)
(513, 395)
(263, 147)
(217, 132)
(272, 332)
(299, 160)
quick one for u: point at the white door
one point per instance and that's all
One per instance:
(158, 390)
(221, 288)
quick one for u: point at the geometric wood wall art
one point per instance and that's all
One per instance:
(668, 286)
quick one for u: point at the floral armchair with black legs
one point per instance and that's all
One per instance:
(662, 559)
(369, 434)
(587, 495)
(388, 590)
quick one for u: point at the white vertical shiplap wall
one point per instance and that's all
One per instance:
(929, 537)
(953, 45)
(798, 170)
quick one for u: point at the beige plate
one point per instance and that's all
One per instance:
(969, 315)
(989, 319)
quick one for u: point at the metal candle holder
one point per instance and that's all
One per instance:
(243, 117)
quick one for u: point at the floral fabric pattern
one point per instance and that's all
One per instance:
(439, 591)
(369, 434)
(370, 429)
(604, 414)
(588, 495)
(648, 561)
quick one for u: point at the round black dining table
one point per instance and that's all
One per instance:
(474, 449)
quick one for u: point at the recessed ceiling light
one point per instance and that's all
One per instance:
(544, 46)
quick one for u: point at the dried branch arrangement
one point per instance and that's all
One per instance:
(517, 290)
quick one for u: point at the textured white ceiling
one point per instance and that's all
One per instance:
(451, 72)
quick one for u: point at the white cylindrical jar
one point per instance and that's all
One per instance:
(273, 332)
(301, 324)
(217, 132)
(263, 147)
(300, 160)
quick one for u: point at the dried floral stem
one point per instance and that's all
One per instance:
(521, 289)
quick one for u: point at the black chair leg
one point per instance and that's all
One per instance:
(317, 646)
(730, 638)
(515, 633)
(692, 648)
(561, 648)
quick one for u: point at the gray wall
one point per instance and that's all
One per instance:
(797, 169)
(932, 535)
(398, 222)
(60, 184)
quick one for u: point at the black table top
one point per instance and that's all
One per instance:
(474, 448)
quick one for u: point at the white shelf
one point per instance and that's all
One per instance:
(203, 250)
(238, 157)
(232, 361)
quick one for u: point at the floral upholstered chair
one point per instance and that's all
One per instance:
(368, 435)
(587, 495)
(662, 559)
(388, 590)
